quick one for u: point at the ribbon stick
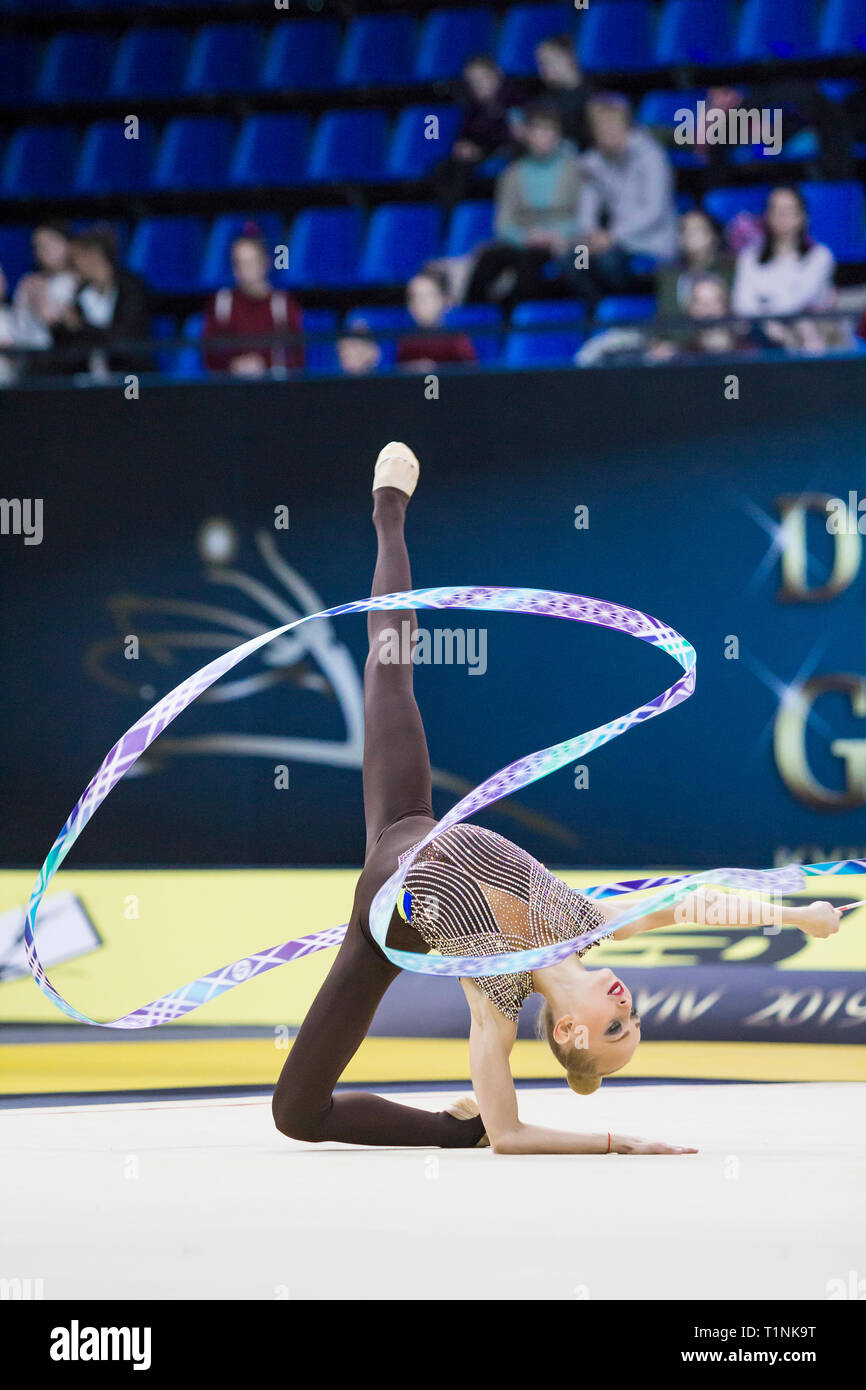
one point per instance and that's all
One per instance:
(540, 602)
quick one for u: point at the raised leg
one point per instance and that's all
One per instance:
(396, 759)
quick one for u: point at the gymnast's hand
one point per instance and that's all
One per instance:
(624, 1144)
(820, 919)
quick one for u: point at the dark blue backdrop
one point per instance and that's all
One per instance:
(677, 480)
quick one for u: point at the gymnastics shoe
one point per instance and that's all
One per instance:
(397, 467)
(466, 1108)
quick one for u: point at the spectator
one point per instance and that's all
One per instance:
(565, 86)
(358, 353)
(701, 252)
(626, 206)
(710, 300)
(43, 296)
(490, 99)
(788, 272)
(253, 309)
(427, 302)
(7, 333)
(803, 106)
(109, 311)
(536, 199)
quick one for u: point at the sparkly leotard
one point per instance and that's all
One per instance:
(473, 893)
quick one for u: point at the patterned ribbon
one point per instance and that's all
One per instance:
(519, 774)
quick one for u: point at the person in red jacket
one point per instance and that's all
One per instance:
(251, 310)
(427, 302)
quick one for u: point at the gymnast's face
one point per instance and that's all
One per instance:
(603, 1020)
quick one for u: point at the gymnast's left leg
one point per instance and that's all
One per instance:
(398, 810)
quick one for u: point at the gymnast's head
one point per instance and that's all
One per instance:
(592, 1027)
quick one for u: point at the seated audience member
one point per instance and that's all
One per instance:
(536, 199)
(43, 296)
(427, 302)
(565, 86)
(8, 336)
(626, 205)
(108, 315)
(253, 309)
(787, 272)
(803, 106)
(701, 252)
(709, 300)
(358, 353)
(485, 130)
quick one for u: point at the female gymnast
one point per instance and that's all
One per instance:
(470, 892)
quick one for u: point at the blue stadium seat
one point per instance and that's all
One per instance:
(16, 254)
(771, 30)
(150, 63)
(194, 152)
(659, 109)
(412, 154)
(695, 31)
(224, 58)
(40, 162)
(471, 319)
(349, 145)
(837, 216)
(616, 35)
(525, 26)
(188, 362)
(216, 264)
(320, 356)
(110, 163)
(324, 247)
(619, 308)
(471, 224)
(167, 252)
(377, 50)
(399, 238)
(448, 38)
(556, 336)
(20, 61)
(75, 66)
(725, 203)
(271, 150)
(843, 29)
(302, 56)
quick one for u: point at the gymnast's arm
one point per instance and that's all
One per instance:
(491, 1038)
(713, 908)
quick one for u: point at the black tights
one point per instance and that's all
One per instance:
(398, 811)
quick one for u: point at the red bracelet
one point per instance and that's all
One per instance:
(608, 1141)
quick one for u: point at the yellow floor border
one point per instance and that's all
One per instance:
(40, 1068)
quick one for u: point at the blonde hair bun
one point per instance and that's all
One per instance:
(583, 1085)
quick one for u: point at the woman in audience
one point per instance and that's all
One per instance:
(485, 130)
(43, 296)
(109, 314)
(253, 309)
(787, 273)
(701, 252)
(427, 302)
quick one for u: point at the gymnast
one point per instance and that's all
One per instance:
(470, 892)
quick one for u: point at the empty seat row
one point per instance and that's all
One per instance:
(211, 152)
(394, 49)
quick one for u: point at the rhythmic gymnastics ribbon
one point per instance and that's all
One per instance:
(542, 602)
